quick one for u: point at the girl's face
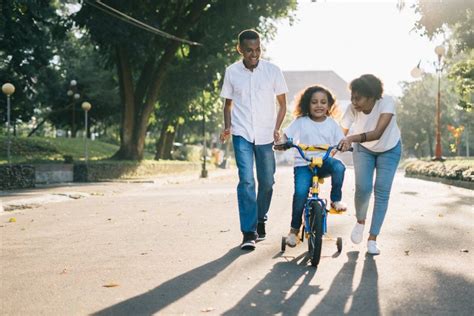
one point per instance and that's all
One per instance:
(362, 103)
(319, 106)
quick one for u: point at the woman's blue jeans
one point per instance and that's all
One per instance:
(304, 180)
(385, 165)
(253, 207)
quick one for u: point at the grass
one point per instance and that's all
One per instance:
(43, 150)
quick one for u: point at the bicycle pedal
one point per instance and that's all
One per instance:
(334, 211)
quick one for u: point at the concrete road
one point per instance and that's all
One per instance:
(170, 247)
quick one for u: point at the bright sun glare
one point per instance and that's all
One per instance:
(353, 38)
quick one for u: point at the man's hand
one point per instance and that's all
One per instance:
(276, 136)
(225, 135)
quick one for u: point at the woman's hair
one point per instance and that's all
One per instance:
(368, 86)
(304, 100)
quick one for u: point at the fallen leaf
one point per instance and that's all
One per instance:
(207, 310)
(440, 215)
(407, 252)
(260, 291)
(464, 250)
(144, 253)
(12, 220)
(224, 231)
(110, 285)
(64, 271)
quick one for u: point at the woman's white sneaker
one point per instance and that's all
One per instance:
(357, 233)
(372, 247)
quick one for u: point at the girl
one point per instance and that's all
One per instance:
(313, 126)
(377, 148)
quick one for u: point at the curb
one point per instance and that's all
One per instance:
(457, 183)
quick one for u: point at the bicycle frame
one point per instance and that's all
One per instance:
(315, 165)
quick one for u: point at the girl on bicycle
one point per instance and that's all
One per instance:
(313, 126)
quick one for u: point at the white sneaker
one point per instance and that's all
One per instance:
(339, 206)
(357, 233)
(292, 239)
(372, 247)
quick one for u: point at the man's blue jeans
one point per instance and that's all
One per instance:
(365, 163)
(304, 179)
(253, 207)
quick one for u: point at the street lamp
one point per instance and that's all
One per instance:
(86, 106)
(204, 151)
(72, 92)
(440, 52)
(8, 89)
(418, 72)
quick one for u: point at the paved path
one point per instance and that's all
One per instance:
(170, 247)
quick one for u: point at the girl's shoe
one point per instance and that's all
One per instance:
(372, 247)
(292, 238)
(339, 206)
(357, 233)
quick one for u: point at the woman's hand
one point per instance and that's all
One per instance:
(344, 145)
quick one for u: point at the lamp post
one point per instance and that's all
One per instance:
(72, 92)
(8, 89)
(204, 152)
(440, 51)
(418, 72)
(86, 106)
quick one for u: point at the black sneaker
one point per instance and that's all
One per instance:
(261, 231)
(249, 241)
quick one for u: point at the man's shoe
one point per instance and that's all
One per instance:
(249, 242)
(261, 231)
(357, 233)
(372, 247)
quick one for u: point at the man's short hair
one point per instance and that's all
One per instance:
(248, 35)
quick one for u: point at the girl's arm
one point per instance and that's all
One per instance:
(382, 124)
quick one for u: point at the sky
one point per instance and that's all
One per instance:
(353, 38)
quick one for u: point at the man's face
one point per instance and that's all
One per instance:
(250, 51)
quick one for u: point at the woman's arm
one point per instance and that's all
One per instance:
(380, 128)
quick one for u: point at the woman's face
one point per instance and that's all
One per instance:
(319, 106)
(362, 103)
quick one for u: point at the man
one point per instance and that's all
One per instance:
(249, 90)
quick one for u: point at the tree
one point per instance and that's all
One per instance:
(143, 60)
(29, 32)
(416, 114)
(455, 19)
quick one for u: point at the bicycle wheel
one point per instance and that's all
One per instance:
(316, 234)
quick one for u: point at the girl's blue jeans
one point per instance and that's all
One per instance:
(385, 165)
(253, 206)
(304, 180)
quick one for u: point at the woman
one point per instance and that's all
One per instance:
(375, 138)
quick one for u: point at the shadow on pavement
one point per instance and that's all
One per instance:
(269, 296)
(170, 291)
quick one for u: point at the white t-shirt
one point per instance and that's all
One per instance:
(363, 123)
(304, 130)
(253, 94)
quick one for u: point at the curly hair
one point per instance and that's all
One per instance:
(368, 86)
(303, 101)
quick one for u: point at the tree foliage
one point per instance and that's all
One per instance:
(148, 64)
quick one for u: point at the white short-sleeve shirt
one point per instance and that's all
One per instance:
(253, 94)
(363, 123)
(304, 130)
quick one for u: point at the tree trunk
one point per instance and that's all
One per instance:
(168, 145)
(136, 113)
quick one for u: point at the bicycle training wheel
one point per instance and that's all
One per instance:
(339, 244)
(283, 244)
(316, 234)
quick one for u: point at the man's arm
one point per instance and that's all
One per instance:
(280, 116)
(227, 120)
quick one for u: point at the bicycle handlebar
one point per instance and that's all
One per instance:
(301, 148)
